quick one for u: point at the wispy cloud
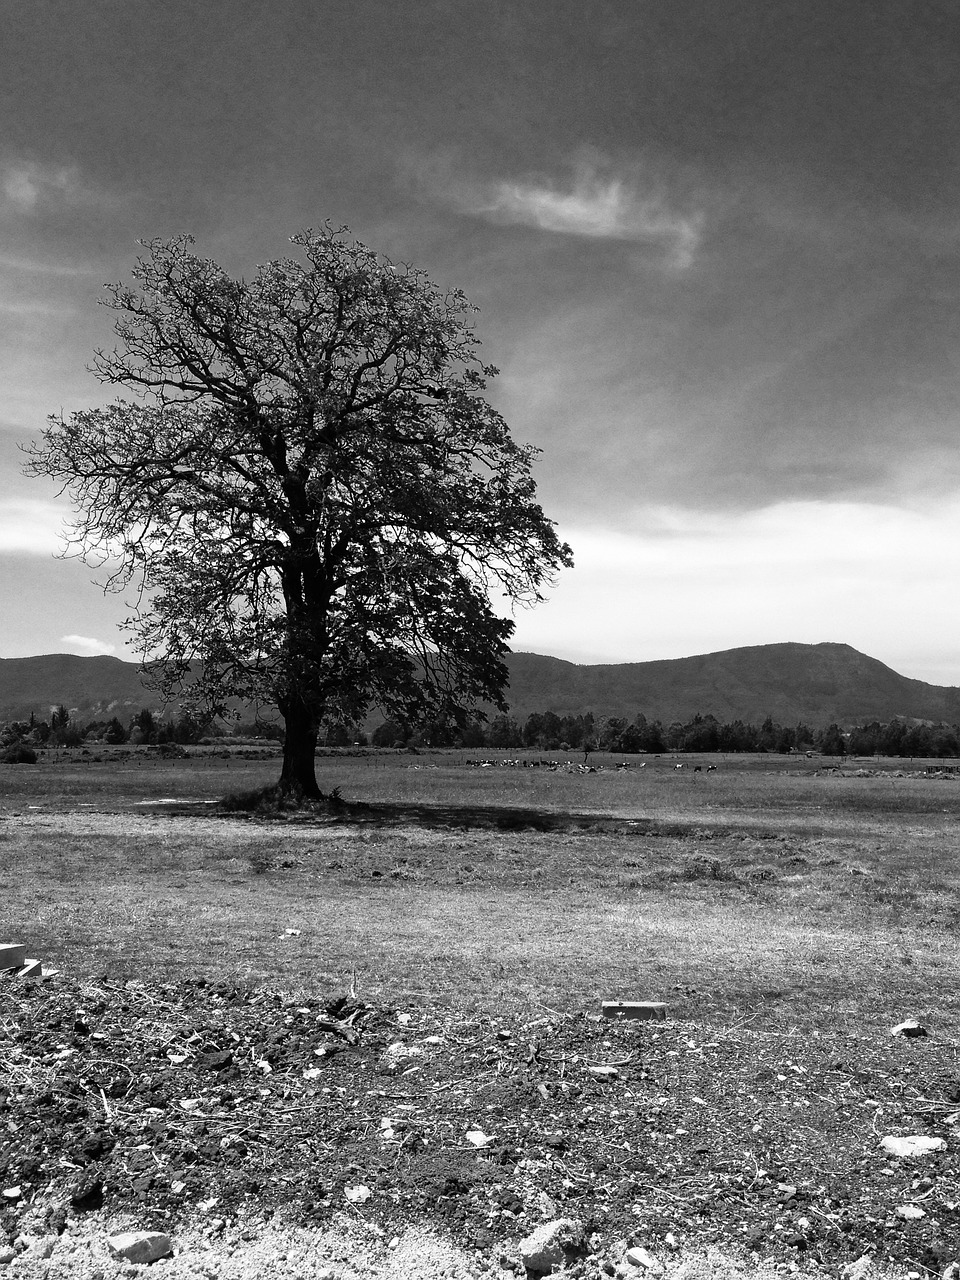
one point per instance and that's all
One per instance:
(33, 266)
(599, 200)
(29, 187)
(88, 646)
(597, 207)
(28, 184)
(34, 526)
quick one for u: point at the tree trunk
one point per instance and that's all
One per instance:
(299, 777)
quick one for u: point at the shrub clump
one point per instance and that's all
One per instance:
(19, 753)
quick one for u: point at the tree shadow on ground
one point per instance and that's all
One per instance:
(497, 818)
(334, 810)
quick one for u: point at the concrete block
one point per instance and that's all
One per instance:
(646, 1010)
(13, 955)
(31, 969)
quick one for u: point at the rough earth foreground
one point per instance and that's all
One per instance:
(269, 1134)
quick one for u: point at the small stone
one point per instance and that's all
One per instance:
(912, 1145)
(141, 1246)
(858, 1270)
(604, 1072)
(551, 1245)
(911, 1029)
(640, 1257)
(909, 1211)
(7, 1256)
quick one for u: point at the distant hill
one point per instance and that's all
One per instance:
(96, 688)
(813, 683)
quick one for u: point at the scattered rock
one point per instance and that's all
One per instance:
(911, 1029)
(141, 1246)
(909, 1211)
(912, 1145)
(552, 1245)
(858, 1270)
(640, 1257)
(7, 1256)
(395, 1057)
(477, 1138)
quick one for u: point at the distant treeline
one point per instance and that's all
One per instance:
(63, 729)
(541, 731)
(546, 731)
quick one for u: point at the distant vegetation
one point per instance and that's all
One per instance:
(541, 731)
(549, 732)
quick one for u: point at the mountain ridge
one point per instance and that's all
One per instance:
(817, 684)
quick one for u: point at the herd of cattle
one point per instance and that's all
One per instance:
(569, 766)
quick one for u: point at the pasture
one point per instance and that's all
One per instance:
(768, 891)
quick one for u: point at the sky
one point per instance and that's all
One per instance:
(714, 248)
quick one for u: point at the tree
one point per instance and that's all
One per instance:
(312, 493)
(832, 741)
(115, 733)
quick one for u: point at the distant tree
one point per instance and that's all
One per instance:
(312, 490)
(785, 740)
(768, 735)
(571, 729)
(701, 734)
(388, 734)
(337, 735)
(865, 739)
(14, 732)
(472, 734)
(832, 742)
(115, 733)
(504, 732)
(143, 726)
(59, 724)
(532, 729)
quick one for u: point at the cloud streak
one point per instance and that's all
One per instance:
(598, 202)
(27, 184)
(88, 646)
(686, 583)
(32, 525)
(598, 208)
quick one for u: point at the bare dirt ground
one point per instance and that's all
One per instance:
(186, 1072)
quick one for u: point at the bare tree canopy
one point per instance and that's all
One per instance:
(311, 490)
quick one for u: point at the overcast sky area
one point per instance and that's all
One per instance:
(714, 247)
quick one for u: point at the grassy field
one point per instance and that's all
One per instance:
(768, 892)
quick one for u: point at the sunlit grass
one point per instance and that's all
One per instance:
(768, 900)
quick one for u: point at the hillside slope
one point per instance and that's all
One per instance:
(93, 687)
(816, 683)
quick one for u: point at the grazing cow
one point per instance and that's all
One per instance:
(697, 769)
(711, 768)
(678, 766)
